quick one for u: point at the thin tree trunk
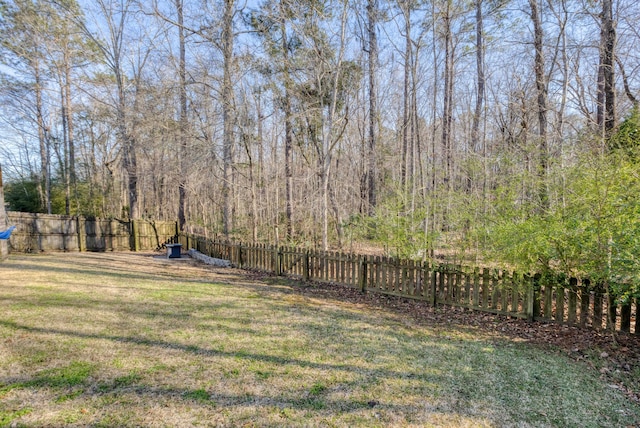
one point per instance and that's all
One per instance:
(288, 127)
(65, 152)
(480, 83)
(447, 116)
(45, 153)
(625, 83)
(608, 42)
(329, 137)
(430, 226)
(372, 15)
(227, 119)
(406, 118)
(128, 145)
(541, 87)
(259, 180)
(182, 74)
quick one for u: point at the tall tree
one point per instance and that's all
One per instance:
(184, 121)
(480, 76)
(606, 109)
(227, 40)
(407, 142)
(116, 15)
(542, 93)
(288, 127)
(447, 109)
(24, 32)
(273, 24)
(372, 51)
(478, 143)
(69, 50)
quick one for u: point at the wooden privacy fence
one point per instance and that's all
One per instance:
(43, 232)
(553, 299)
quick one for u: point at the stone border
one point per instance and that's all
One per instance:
(208, 260)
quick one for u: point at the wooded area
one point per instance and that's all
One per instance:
(494, 132)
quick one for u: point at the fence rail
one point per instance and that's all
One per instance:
(557, 299)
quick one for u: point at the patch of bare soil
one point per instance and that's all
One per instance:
(617, 359)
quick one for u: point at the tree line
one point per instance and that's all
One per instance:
(501, 130)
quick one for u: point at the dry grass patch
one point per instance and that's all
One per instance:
(120, 339)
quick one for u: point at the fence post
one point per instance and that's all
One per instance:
(132, 238)
(611, 311)
(362, 273)
(585, 296)
(80, 225)
(529, 283)
(597, 306)
(277, 260)
(485, 288)
(434, 285)
(533, 302)
(305, 266)
(572, 302)
(625, 317)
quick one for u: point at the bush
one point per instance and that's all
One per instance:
(594, 233)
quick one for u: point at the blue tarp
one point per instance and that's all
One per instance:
(6, 234)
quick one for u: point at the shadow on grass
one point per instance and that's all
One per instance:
(459, 373)
(198, 350)
(470, 381)
(74, 382)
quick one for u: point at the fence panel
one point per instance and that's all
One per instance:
(43, 232)
(514, 294)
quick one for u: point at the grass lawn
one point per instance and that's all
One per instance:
(123, 339)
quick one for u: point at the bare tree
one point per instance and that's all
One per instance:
(184, 121)
(542, 93)
(24, 32)
(227, 40)
(371, 175)
(606, 114)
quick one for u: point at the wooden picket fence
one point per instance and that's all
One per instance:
(534, 297)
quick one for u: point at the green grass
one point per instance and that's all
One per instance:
(130, 340)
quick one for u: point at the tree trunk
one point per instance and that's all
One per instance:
(227, 119)
(43, 138)
(480, 83)
(607, 68)
(406, 96)
(329, 135)
(127, 141)
(372, 15)
(447, 115)
(288, 127)
(182, 74)
(541, 88)
(64, 161)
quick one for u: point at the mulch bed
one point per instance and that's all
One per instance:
(617, 359)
